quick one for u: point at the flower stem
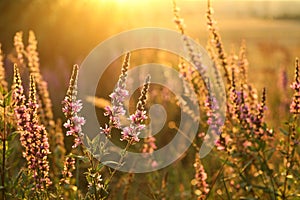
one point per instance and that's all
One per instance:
(4, 150)
(123, 154)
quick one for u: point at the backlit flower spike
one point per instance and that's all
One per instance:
(32, 54)
(72, 89)
(19, 99)
(262, 106)
(3, 83)
(143, 97)
(34, 140)
(233, 105)
(69, 167)
(217, 42)
(149, 145)
(177, 19)
(295, 105)
(243, 63)
(19, 46)
(117, 98)
(201, 188)
(44, 101)
(32, 100)
(131, 132)
(71, 108)
(17, 88)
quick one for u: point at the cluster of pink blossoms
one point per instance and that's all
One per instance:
(129, 133)
(295, 105)
(33, 135)
(118, 97)
(71, 108)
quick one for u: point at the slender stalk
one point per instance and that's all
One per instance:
(4, 150)
(218, 175)
(288, 157)
(95, 188)
(123, 153)
(94, 181)
(77, 174)
(269, 175)
(227, 192)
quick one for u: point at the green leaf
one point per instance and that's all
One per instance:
(82, 158)
(246, 165)
(270, 153)
(8, 99)
(110, 162)
(286, 133)
(12, 136)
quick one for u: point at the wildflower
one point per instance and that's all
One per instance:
(247, 144)
(33, 137)
(131, 132)
(71, 108)
(148, 148)
(32, 54)
(105, 130)
(19, 46)
(149, 145)
(18, 97)
(154, 164)
(216, 40)
(69, 166)
(243, 63)
(118, 96)
(45, 111)
(3, 83)
(178, 21)
(190, 81)
(295, 105)
(199, 181)
(257, 120)
(194, 55)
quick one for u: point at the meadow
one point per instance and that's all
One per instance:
(254, 47)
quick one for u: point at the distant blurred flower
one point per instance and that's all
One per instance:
(19, 46)
(149, 145)
(199, 181)
(3, 83)
(295, 105)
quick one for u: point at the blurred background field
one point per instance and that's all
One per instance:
(68, 30)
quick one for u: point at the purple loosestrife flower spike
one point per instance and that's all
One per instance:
(295, 105)
(3, 82)
(18, 98)
(71, 108)
(45, 108)
(131, 132)
(117, 99)
(69, 166)
(217, 41)
(33, 137)
(19, 46)
(199, 181)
